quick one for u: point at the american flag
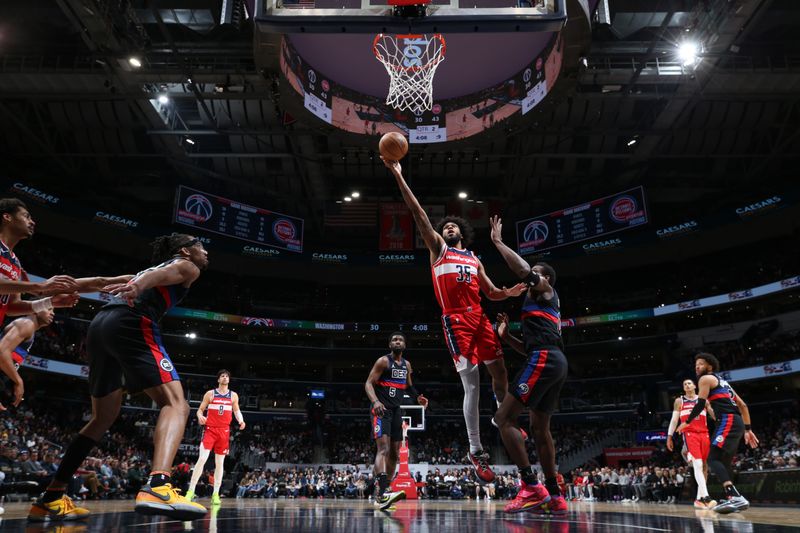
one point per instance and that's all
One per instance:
(351, 214)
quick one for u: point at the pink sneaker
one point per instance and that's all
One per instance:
(556, 506)
(529, 498)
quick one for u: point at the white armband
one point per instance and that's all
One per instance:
(45, 304)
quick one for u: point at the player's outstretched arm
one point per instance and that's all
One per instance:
(374, 375)
(237, 413)
(433, 240)
(97, 283)
(492, 292)
(181, 272)
(54, 285)
(517, 264)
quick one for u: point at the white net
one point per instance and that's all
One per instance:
(411, 62)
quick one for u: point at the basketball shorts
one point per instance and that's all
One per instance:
(538, 384)
(125, 350)
(389, 425)
(697, 445)
(470, 338)
(217, 439)
(730, 430)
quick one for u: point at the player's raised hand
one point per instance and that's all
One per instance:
(750, 439)
(65, 300)
(423, 401)
(496, 224)
(59, 285)
(516, 290)
(502, 325)
(394, 166)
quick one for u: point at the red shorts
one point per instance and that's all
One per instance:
(697, 445)
(470, 338)
(217, 439)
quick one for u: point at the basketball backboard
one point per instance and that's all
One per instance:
(414, 416)
(376, 16)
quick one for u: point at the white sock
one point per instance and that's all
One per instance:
(198, 468)
(218, 472)
(470, 378)
(700, 478)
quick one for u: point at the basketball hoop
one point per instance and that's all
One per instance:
(411, 62)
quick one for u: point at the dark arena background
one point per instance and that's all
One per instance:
(648, 150)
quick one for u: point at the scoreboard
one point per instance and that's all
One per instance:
(589, 220)
(227, 217)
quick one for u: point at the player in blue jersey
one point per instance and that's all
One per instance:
(733, 423)
(388, 382)
(537, 385)
(126, 353)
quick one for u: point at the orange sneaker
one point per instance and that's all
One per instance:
(167, 501)
(62, 509)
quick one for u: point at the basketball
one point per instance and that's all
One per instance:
(393, 146)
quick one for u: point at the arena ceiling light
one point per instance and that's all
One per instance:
(135, 62)
(190, 140)
(191, 335)
(463, 195)
(163, 99)
(348, 199)
(688, 52)
(355, 194)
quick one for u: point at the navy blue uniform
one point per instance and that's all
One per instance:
(538, 384)
(390, 390)
(124, 342)
(730, 425)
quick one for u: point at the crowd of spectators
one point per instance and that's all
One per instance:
(632, 484)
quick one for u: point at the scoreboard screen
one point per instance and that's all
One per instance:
(589, 220)
(227, 217)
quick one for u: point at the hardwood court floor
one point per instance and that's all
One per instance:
(442, 516)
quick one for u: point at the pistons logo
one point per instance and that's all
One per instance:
(523, 388)
(377, 429)
(166, 365)
(719, 439)
(284, 230)
(623, 209)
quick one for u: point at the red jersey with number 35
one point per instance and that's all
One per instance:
(455, 280)
(220, 410)
(10, 268)
(698, 425)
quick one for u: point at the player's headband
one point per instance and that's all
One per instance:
(186, 244)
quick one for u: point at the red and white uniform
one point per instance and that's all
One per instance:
(468, 333)
(695, 437)
(218, 423)
(10, 268)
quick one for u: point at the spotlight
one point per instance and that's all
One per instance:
(632, 142)
(135, 62)
(348, 199)
(355, 194)
(191, 335)
(687, 53)
(462, 195)
(163, 99)
(190, 140)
